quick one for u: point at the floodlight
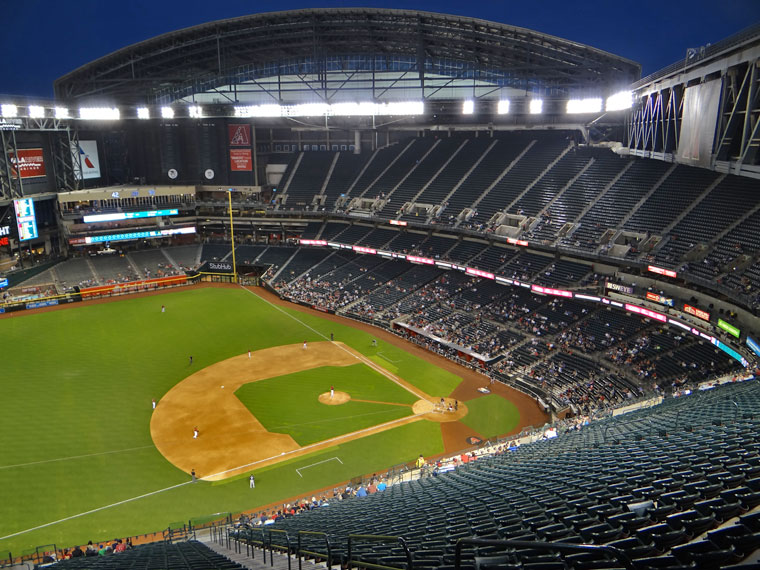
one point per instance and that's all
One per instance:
(167, 112)
(36, 112)
(503, 107)
(536, 106)
(620, 101)
(8, 110)
(258, 111)
(468, 107)
(196, 111)
(593, 105)
(143, 113)
(99, 113)
(306, 110)
(62, 113)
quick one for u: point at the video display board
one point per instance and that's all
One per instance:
(26, 221)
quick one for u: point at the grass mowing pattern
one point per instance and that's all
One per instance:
(491, 415)
(79, 382)
(289, 404)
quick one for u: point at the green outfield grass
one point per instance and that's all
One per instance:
(491, 415)
(77, 386)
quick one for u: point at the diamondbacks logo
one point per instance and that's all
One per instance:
(474, 440)
(240, 135)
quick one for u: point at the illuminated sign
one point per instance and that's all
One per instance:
(731, 352)
(5, 231)
(25, 220)
(679, 324)
(549, 291)
(240, 160)
(661, 271)
(729, 328)
(130, 215)
(397, 223)
(659, 299)
(360, 249)
(131, 236)
(84, 156)
(3, 282)
(514, 241)
(27, 162)
(479, 273)
(699, 313)
(620, 288)
(646, 313)
(587, 297)
(752, 344)
(312, 242)
(423, 260)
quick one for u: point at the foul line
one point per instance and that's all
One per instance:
(95, 510)
(76, 457)
(376, 367)
(317, 463)
(326, 442)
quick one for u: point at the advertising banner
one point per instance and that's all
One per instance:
(239, 135)
(240, 160)
(28, 162)
(84, 157)
(698, 124)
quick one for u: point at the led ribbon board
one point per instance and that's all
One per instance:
(129, 215)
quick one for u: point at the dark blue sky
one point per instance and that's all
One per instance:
(44, 39)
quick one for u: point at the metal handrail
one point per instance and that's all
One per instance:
(618, 554)
(271, 548)
(377, 538)
(327, 544)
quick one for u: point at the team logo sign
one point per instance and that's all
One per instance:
(474, 440)
(240, 135)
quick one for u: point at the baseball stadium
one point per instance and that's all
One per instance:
(380, 288)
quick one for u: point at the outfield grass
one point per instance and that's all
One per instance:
(77, 386)
(491, 415)
(289, 404)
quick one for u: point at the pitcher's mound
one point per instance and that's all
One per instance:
(337, 399)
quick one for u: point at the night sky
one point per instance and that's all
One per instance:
(44, 39)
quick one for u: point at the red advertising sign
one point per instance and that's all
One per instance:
(28, 161)
(699, 313)
(240, 135)
(240, 160)
(662, 271)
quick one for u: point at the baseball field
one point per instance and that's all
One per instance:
(86, 456)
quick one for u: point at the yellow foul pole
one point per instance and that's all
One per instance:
(232, 238)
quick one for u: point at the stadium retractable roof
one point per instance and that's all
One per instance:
(345, 54)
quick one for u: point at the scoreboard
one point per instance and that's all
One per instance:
(25, 219)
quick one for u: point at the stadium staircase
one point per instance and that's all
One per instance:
(255, 556)
(501, 176)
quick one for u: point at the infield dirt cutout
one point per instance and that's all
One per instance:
(231, 440)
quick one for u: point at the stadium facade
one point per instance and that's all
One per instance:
(437, 124)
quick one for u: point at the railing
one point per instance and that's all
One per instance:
(376, 538)
(616, 553)
(301, 551)
(271, 546)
